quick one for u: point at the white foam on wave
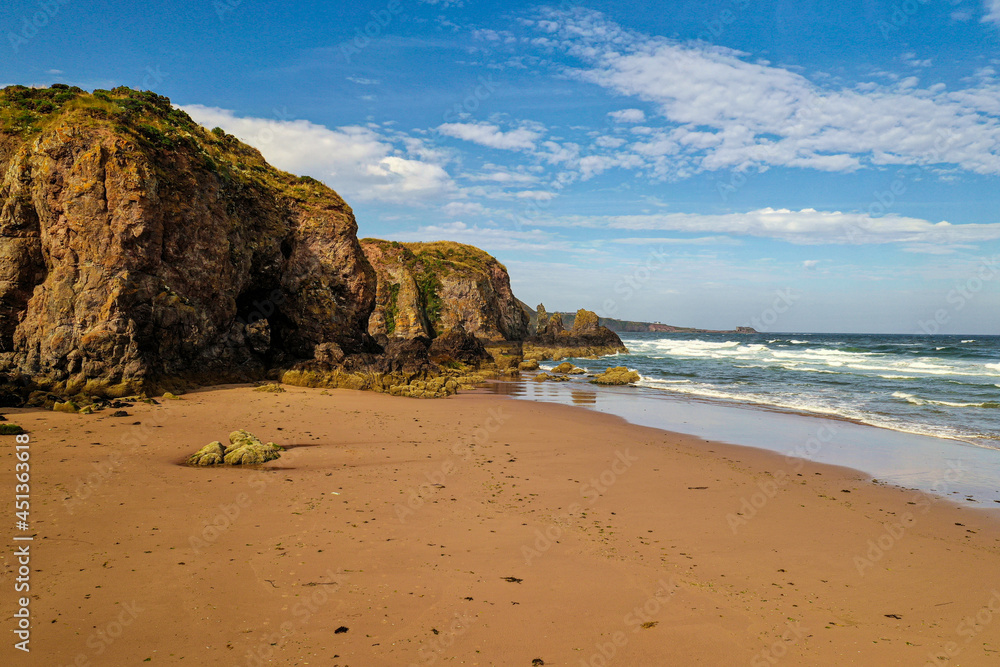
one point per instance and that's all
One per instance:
(909, 398)
(656, 381)
(916, 400)
(799, 404)
(797, 367)
(814, 356)
(705, 390)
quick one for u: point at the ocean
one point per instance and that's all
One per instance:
(940, 386)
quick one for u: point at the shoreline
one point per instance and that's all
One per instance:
(979, 466)
(438, 531)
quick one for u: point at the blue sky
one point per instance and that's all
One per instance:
(795, 166)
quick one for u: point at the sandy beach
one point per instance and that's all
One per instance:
(477, 530)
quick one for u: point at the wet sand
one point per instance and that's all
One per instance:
(478, 530)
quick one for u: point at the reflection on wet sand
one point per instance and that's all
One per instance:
(531, 390)
(505, 388)
(892, 456)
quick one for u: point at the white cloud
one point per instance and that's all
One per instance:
(608, 142)
(804, 227)
(363, 81)
(810, 264)
(727, 113)
(356, 161)
(536, 195)
(491, 136)
(910, 58)
(458, 209)
(992, 8)
(628, 116)
(701, 240)
(500, 174)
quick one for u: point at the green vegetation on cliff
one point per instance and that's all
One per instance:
(431, 265)
(392, 308)
(155, 126)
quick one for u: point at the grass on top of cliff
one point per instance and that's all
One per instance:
(441, 257)
(155, 126)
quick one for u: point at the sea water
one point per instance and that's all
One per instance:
(920, 412)
(942, 386)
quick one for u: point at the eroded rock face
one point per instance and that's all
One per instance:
(458, 346)
(138, 248)
(429, 289)
(587, 338)
(542, 318)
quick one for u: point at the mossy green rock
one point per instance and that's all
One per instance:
(209, 455)
(68, 406)
(546, 377)
(619, 375)
(271, 388)
(246, 449)
(10, 429)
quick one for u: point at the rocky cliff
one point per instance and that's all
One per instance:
(138, 248)
(586, 338)
(141, 252)
(428, 289)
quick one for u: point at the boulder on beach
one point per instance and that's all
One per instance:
(209, 455)
(246, 449)
(617, 375)
(546, 377)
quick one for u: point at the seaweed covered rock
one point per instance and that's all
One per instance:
(618, 375)
(438, 387)
(271, 388)
(246, 449)
(528, 365)
(210, 455)
(548, 377)
(566, 368)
